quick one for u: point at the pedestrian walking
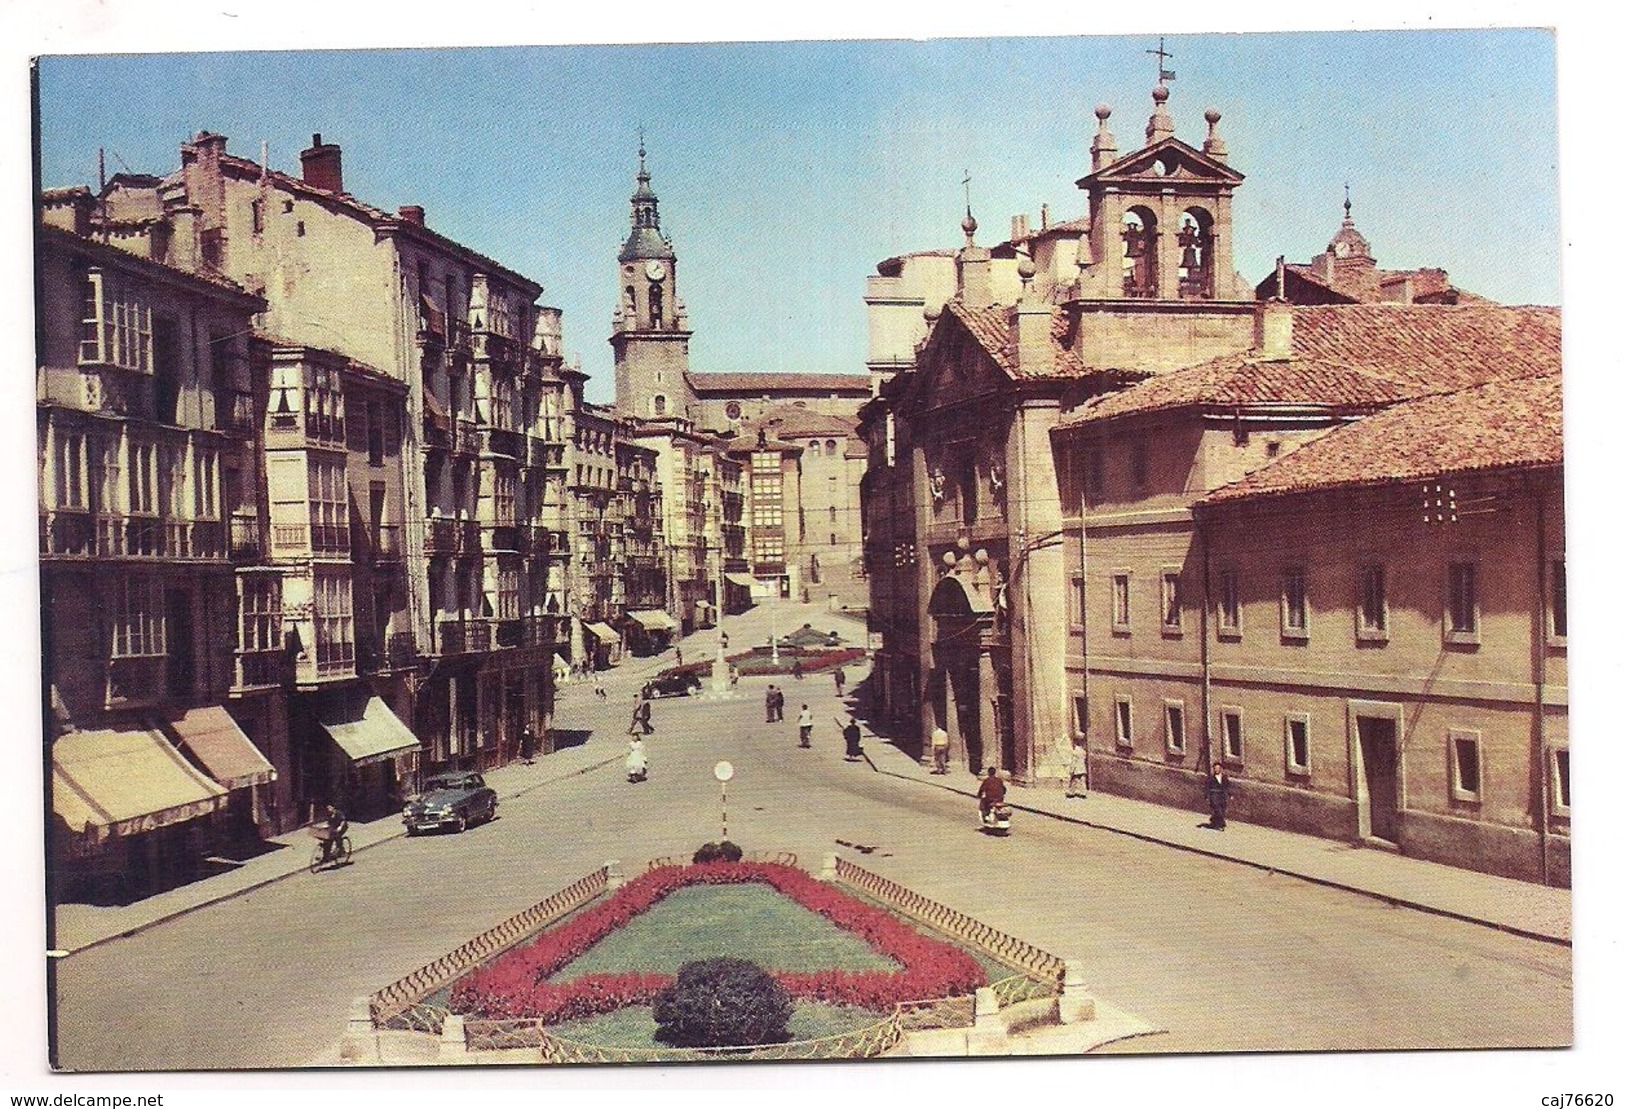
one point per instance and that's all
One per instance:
(771, 691)
(939, 751)
(679, 656)
(598, 686)
(527, 746)
(641, 713)
(778, 705)
(840, 682)
(796, 670)
(1218, 796)
(805, 723)
(1077, 774)
(854, 738)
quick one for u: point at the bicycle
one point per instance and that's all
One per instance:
(339, 857)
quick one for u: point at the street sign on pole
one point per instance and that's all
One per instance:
(724, 772)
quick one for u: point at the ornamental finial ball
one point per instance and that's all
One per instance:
(1025, 268)
(1103, 112)
(1211, 115)
(1160, 93)
(968, 224)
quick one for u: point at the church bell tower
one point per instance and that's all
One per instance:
(649, 329)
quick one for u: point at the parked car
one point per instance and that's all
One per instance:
(450, 801)
(672, 683)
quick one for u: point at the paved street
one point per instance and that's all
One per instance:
(1222, 956)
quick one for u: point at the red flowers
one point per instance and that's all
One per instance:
(514, 985)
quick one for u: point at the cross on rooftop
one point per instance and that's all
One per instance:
(1164, 74)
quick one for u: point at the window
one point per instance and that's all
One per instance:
(143, 498)
(1465, 769)
(1560, 781)
(1560, 603)
(1140, 465)
(329, 506)
(1230, 731)
(503, 498)
(1120, 610)
(375, 433)
(829, 447)
(1080, 716)
(206, 486)
(139, 626)
(1094, 474)
(1171, 616)
(299, 229)
(1173, 726)
(660, 404)
(335, 622)
(256, 211)
(1076, 613)
(508, 593)
(1461, 617)
(72, 484)
(1229, 604)
(1296, 735)
(260, 623)
(813, 448)
(115, 326)
(1373, 613)
(1125, 722)
(1294, 604)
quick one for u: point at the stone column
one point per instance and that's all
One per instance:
(617, 878)
(1075, 1004)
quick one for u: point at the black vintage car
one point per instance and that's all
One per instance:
(450, 801)
(672, 683)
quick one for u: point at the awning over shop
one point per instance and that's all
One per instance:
(376, 735)
(212, 737)
(741, 579)
(606, 634)
(654, 620)
(120, 783)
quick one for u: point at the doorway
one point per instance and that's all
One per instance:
(1379, 761)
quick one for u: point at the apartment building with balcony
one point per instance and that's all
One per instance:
(151, 514)
(468, 363)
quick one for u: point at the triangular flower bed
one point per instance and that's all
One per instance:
(515, 985)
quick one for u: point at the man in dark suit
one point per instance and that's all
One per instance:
(1218, 795)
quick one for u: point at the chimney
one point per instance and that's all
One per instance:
(411, 213)
(1272, 330)
(322, 165)
(1018, 227)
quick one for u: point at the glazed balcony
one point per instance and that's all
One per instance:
(76, 533)
(460, 637)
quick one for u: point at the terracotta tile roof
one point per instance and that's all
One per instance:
(1244, 381)
(1501, 424)
(1359, 356)
(1432, 347)
(758, 383)
(993, 328)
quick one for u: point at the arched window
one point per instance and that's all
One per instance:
(1195, 254)
(657, 306)
(660, 404)
(829, 447)
(1139, 253)
(812, 448)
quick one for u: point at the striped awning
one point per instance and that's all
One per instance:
(654, 620)
(123, 782)
(606, 634)
(377, 734)
(213, 738)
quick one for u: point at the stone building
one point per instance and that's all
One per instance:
(963, 522)
(1334, 563)
(476, 398)
(163, 652)
(689, 416)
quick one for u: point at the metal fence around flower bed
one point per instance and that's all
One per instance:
(858, 1043)
(781, 858)
(1041, 973)
(400, 1006)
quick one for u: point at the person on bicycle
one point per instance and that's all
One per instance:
(337, 826)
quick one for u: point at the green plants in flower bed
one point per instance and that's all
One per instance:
(518, 984)
(634, 1026)
(752, 922)
(759, 660)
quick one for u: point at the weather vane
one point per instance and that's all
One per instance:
(966, 183)
(1164, 75)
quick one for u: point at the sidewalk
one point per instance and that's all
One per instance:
(1522, 908)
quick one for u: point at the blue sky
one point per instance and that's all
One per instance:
(787, 170)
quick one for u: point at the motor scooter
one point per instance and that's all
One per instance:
(996, 820)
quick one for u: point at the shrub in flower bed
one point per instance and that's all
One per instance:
(725, 852)
(722, 1003)
(515, 985)
(759, 660)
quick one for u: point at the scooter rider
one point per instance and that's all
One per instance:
(991, 792)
